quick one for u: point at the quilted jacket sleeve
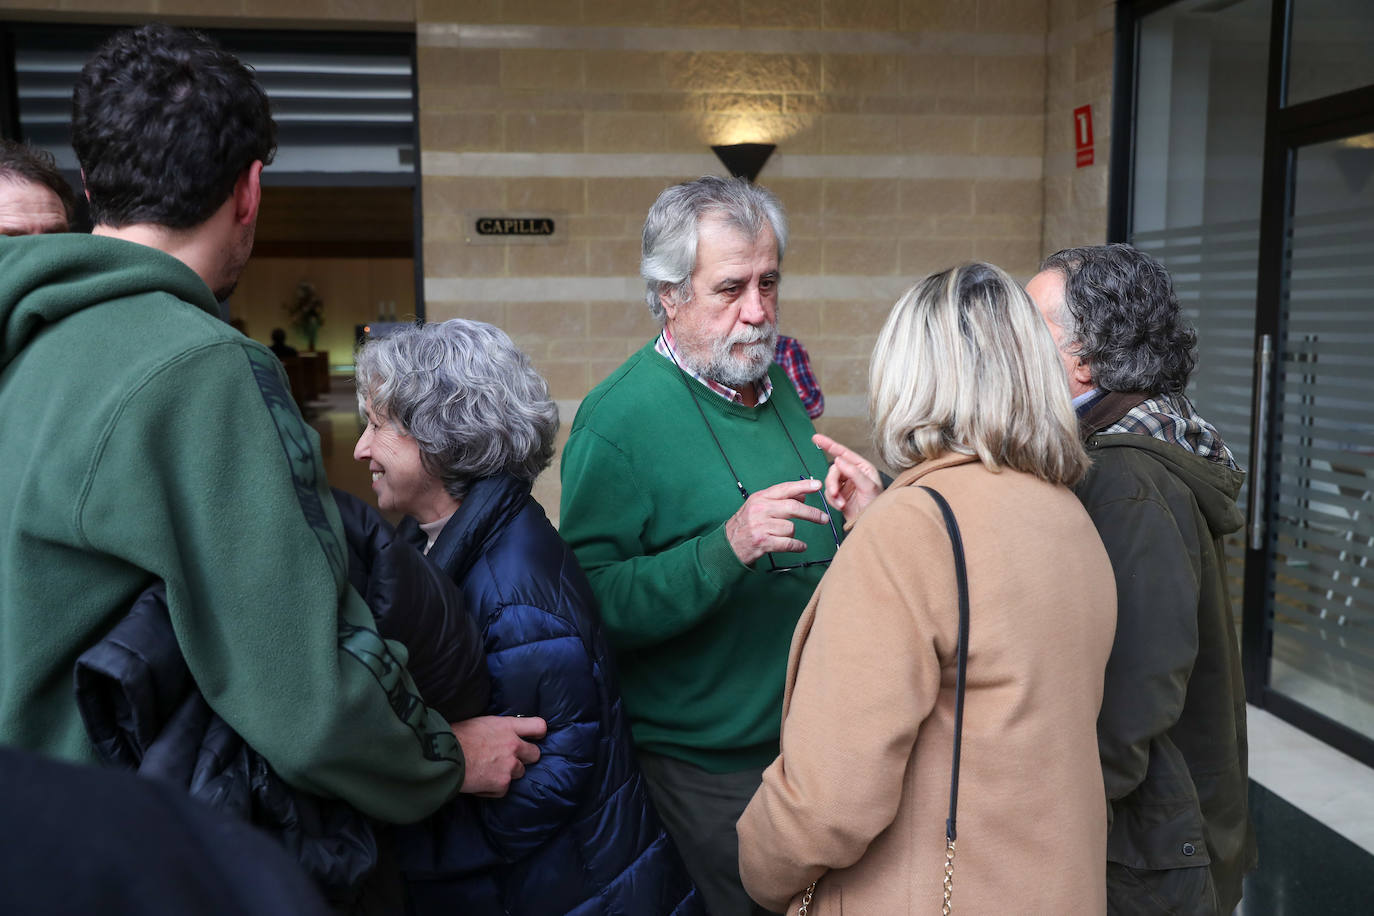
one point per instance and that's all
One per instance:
(539, 666)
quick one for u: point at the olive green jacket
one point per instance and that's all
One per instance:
(1171, 732)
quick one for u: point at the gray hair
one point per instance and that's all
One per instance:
(669, 252)
(1122, 318)
(964, 363)
(467, 395)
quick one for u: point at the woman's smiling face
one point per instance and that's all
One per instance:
(399, 477)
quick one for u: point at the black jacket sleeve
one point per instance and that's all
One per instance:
(417, 605)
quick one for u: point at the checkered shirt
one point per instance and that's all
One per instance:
(796, 362)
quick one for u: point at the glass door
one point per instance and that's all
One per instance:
(1248, 170)
(1320, 507)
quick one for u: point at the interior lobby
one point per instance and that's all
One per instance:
(1231, 139)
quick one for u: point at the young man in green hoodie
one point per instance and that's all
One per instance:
(1162, 492)
(146, 440)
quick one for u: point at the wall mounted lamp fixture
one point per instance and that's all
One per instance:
(744, 160)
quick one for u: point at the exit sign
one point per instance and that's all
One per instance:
(1083, 135)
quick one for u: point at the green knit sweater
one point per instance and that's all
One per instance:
(701, 640)
(145, 439)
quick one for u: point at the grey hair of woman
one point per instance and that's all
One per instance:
(467, 395)
(1123, 319)
(669, 252)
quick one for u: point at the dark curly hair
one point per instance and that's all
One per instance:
(1124, 319)
(21, 162)
(163, 122)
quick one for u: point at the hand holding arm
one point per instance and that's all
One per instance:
(496, 750)
(852, 482)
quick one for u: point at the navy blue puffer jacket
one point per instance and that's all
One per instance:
(577, 834)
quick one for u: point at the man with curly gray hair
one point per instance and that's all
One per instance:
(1162, 492)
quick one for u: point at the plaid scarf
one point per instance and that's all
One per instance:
(1167, 417)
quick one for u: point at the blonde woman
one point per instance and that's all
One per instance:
(968, 397)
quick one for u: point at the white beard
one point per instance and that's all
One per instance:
(722, 365)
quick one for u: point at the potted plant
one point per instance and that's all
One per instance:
(306, 312)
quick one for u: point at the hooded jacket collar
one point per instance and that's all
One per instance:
(1107, 409)
(49, 277)
(1215, 486)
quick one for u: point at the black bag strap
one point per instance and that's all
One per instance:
(961, 575)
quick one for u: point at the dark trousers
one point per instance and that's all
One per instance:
(699, 810)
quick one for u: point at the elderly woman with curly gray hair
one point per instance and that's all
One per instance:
(459, 425)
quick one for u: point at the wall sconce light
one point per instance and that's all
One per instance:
(744, 160)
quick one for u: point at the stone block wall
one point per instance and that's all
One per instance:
(911, 135)
(1080, 54)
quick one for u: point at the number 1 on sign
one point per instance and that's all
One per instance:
(1083, 122)
(1083, 135)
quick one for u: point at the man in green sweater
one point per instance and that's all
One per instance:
(146, 440)
(690, 495)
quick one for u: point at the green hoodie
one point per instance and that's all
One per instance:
(145, 439)
(1172, 728)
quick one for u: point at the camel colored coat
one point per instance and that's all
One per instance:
(859, 796)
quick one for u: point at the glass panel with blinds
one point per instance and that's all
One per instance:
(1197, 169)
(1323, 517)
(343, 105)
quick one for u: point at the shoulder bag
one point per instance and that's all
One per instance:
(961, 577)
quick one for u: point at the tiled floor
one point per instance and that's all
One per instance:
(1305, 868)
(1313, 809)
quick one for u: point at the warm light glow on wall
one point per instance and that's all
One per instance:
(717, 128)
(748, 98)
